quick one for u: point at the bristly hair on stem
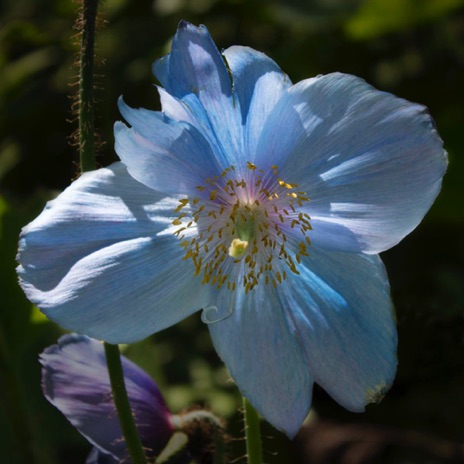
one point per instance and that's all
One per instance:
(85, 136)
(252, 434)
(86, 26)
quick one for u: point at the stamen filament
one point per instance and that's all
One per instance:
(243, 220)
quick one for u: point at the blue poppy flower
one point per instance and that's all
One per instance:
(75, 380)
(263, 203)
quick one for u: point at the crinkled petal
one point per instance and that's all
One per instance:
(75, 380)
(195, 72)
(102, 260)
(194, 65)
(259, 345)
(99, 209)
(178, 110)
(258, 84)
(190, 110)
(248, 66)
(340, 305)
(157, 150)
(285, 129)
(371, 163)
(124, 292)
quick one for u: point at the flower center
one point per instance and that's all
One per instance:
(250, 228)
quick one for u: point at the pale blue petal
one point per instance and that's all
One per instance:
(157, 150)
(123, 292)
(190, 110)
(102, 260)
(195, 72)
(160, 69)
(286, 130)
(75, 380)
(371, 163)
(194, 65)
(259, 345)
(341, 307)
(248, 67)
(178, 110)
(258, 84)
(99, 209)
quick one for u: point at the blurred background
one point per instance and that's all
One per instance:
(413, 48)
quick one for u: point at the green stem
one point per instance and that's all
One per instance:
(121, 401)
(86, 97)
(253, 435)
(87, 159)
(219, 448)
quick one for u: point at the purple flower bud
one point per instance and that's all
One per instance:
(75, 380)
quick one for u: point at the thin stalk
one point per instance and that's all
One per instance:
(219, 448)
(121, 401)
(87, 160)
(252, 434)
(86, 96)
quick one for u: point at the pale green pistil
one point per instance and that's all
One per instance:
(243, 220)
(238, 248)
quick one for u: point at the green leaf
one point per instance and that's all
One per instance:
(379, 17)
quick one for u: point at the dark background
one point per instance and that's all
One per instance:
(413, 48)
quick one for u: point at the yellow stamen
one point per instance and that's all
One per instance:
(244, 220)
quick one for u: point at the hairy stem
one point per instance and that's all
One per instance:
(121, 401)
(86, 96)
(252, 434)
(87, 159)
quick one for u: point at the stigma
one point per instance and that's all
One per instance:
(238, 248)
(246, 228)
